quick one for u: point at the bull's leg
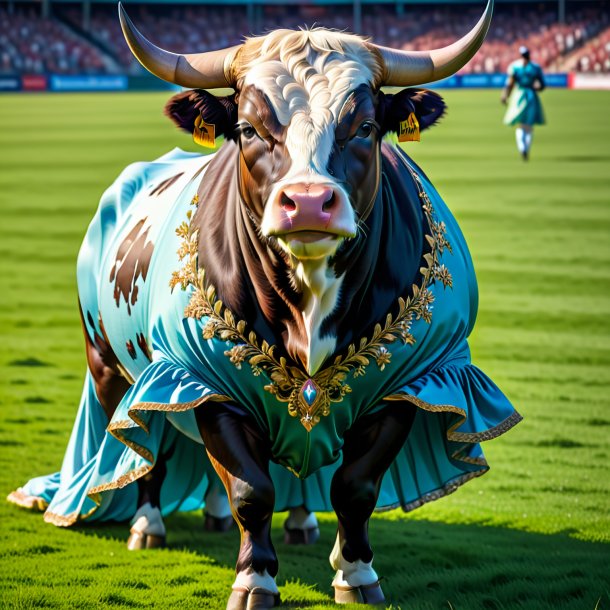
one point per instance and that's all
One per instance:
(370, 447)
(147, 527)
(148, 530)
(240, 454)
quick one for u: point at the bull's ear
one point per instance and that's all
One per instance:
(184, 108)
(428, 107)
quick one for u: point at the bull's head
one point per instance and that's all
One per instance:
(308, 115)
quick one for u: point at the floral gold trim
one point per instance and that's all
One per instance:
(310, 397)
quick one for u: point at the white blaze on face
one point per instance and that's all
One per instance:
(307, 89)
(307, 95)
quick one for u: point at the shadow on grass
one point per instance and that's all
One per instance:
(425, 564)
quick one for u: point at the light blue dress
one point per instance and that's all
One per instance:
(458, 405)
(524, 106)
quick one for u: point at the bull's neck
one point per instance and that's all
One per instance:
(320, 289)
(254, 279)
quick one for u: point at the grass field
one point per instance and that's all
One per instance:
(533, 533)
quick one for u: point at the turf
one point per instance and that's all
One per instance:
(533, 533)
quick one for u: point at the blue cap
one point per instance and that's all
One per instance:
(523, 50)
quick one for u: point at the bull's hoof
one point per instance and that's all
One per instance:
(299, 536)
(139, 541)
(23, 500)
(364, 594)
(217, 524)
(242, 598)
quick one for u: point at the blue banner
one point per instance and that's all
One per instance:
(87, 83)
(483, 81)
(556, 80)
(10, 83)
(105, 82)
(494, 80)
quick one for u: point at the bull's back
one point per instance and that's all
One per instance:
(129, 252)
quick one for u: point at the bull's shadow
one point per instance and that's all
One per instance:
(425, 564)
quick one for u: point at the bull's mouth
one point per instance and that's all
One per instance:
(310, 244)
(308, 237)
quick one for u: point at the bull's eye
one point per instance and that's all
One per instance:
(247, 131)
(365, 130)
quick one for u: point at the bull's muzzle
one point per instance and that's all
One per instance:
(307, 214)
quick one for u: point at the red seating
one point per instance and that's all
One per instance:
(32, 44)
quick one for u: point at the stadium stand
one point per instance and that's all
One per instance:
(60, 44)
(536, 29)
(31, 44)
(592, 57)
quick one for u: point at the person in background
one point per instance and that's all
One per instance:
(525, 80)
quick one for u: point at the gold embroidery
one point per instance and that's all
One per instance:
(310, 397)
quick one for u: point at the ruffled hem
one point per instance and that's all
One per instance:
(102, 460)
(26, 501)
(458, 408)
(157, 415)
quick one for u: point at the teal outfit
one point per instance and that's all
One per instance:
(524, 106)
(458, 405)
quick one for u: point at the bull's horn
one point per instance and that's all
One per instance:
(405, 68)
(200, 70)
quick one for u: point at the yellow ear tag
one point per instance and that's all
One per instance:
(409, 129)
(204, 133)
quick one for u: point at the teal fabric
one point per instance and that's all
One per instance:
(524, 106)
(458, 406)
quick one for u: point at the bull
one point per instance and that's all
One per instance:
(298, 302)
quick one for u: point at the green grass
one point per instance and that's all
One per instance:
(533, 533)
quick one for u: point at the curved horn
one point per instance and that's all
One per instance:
(405, 68)
(199, 70)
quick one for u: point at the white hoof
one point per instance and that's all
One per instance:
(148, 520)
(351, 574)
(249, 579)
(147, 529)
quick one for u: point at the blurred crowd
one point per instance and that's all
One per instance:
(594, 56)
(69, 42)
(550, 42)
(30, 44)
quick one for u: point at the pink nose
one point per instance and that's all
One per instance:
(308, 206)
